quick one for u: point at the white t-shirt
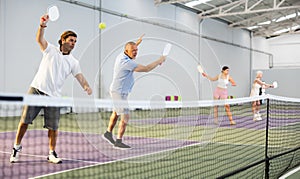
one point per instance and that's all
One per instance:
(53, 71)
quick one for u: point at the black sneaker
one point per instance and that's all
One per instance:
(108, 137)
(120, 145)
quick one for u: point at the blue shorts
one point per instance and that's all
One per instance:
(51, 114)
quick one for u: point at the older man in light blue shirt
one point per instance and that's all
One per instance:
(123, 75)
(121, 86)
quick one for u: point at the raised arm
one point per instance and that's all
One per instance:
(84, 84)
(263, 84)
(210, 78)
(151, 66)
(40, 33)
(139, 40)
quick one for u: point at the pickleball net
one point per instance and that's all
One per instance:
(169, 139)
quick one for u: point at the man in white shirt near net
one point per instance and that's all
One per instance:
(56, 65)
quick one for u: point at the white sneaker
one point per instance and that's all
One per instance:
(255, 116)
(258, 116)
(52, 158)
(14, 157)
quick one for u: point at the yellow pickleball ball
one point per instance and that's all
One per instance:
(102, 25)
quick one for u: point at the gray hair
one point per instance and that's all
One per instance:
(259, 72)
(129, 43)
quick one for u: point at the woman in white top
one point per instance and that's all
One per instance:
(221, 91)
(257, 84)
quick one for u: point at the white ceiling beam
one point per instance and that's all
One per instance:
(254, 5)
(253, 19)
(273, 25)
(221, 13)
(269, 30)
(233, 7)
(158, 2)
(220, 7)
(279, 4)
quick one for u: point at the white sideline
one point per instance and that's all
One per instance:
(290, 173)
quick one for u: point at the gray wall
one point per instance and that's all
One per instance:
(96, 50)
(286, 63)
(20, 55)
(288, 84)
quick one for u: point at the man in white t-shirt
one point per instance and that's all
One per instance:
(56, 65)
(121, 86)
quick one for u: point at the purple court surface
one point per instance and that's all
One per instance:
(83, 149)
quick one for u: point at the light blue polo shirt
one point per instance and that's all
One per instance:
(123, 79)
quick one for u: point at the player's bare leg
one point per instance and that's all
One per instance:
(122, 127)
(229, 114)
(22, 128)
(112, 121)
(216, 113)
(52, 157)
(52, 135)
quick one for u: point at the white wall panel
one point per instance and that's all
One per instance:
(97, 50)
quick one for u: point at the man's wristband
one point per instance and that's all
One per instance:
(43, 26)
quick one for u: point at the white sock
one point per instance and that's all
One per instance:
(51, 152)
(17, 146)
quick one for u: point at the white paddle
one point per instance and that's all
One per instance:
(200, 69)
(53, 13)
(167, 49)
(275, 84)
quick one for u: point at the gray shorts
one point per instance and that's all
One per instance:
(120, 103)
(51, 114)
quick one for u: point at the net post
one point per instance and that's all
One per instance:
(267, 160)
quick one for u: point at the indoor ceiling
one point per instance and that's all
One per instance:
(265, 18)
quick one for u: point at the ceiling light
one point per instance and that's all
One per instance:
(195, 3)
(286, 30)
(252, 27)
(264, 23)
(281, 31)
(283, 18)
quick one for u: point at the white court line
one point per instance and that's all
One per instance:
(93, 164)
(114, 161)
(133, 157)
(43, 156)
(290, 173)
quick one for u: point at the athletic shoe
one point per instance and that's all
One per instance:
(258, 118)
(14, 157)
(232, 122)
(52, 158)
(120, 145)
(108, 137)
(255, 116)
